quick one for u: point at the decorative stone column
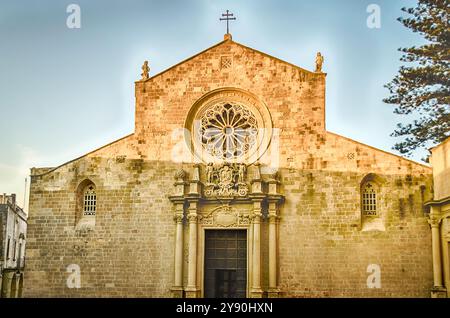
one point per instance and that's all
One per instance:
(434, 220)
(257, 197)
(193, 198)
(273, 247)
(256, 291)
(179, 204)
(274, 198)
(178, 275)
(191, 290)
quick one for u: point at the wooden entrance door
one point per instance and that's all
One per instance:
(225, 263)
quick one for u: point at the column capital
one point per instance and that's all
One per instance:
(178, 207)
(256, 218)
(434, 221)
(257, 210)
(273, 218)
(192, 214)
(192, 217)
(178, 218)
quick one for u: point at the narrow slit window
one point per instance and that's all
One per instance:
(7, 248)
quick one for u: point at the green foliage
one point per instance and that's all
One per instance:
(423, 87)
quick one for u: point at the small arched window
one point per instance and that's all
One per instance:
(89, 200)
(86, 205)
(372, 198)
(369, 200)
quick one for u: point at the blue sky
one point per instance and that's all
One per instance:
(64, 92)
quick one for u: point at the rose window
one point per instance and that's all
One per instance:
(228, 130)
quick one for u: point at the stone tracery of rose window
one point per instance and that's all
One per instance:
(228, 130)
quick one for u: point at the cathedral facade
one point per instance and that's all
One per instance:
(231, 186)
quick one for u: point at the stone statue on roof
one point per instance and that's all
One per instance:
(319, 62)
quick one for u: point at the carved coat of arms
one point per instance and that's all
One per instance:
(226, 180)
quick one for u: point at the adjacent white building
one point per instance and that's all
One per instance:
(13, 229)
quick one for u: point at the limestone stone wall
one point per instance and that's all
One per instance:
(324, 252)
(322, 249)
(129, 253)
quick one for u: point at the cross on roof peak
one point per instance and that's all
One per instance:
(227, 17)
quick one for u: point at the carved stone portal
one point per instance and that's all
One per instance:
(226, 180)
(231, 201)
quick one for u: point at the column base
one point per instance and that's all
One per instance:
(273, 293)
(256, 293)
(177, 292)
(438, 292)
(191, 292)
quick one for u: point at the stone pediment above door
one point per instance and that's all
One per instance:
(226, 216)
